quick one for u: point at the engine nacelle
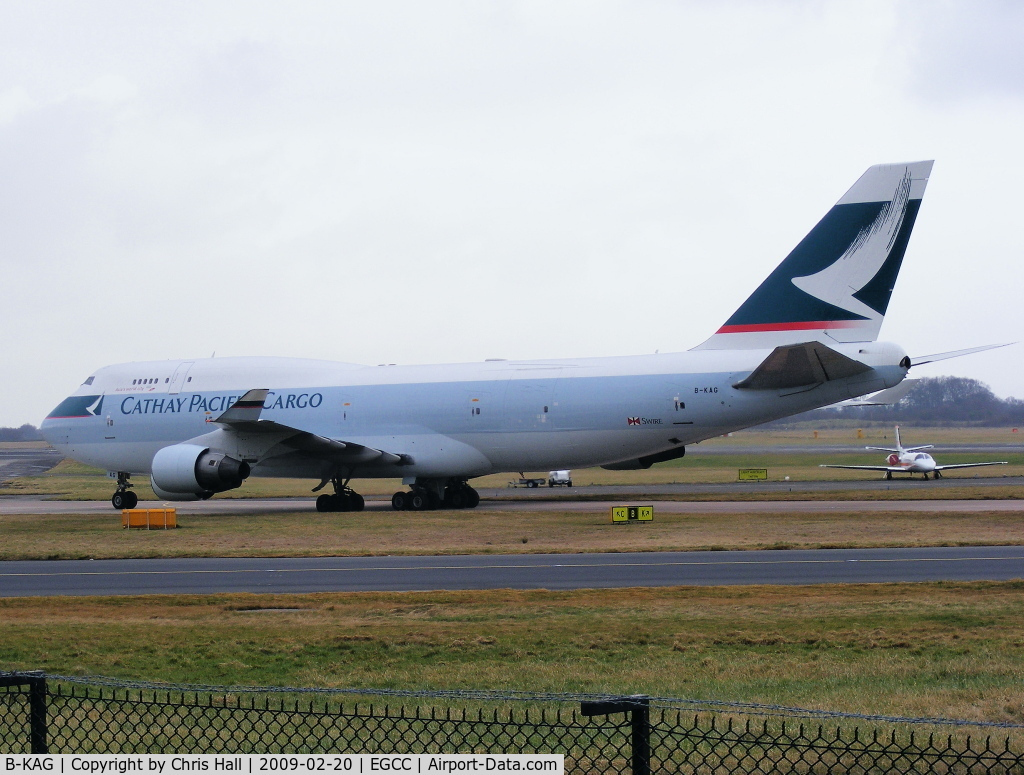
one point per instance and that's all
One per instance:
(647, 461)
(164, 495)
(190, 472)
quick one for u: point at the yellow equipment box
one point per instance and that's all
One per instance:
(753, 474)
(632, 513)
(149, 519)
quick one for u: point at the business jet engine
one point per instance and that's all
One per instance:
(188, 472)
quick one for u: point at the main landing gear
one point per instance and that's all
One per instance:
(343, 499)
(436, 494)
(124, 498)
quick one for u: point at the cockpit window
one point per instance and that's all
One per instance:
(921, 456)
(89, 381)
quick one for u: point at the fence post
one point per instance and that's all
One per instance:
(638, 707)
(640, 718)
(37, 711)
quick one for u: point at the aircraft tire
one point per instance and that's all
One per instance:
(455, 499)
(341, 502)
(419, 501)
(119, 500)
(133, 499)
(356, 501)
(472, 498)
(400, 501)
(323, 503)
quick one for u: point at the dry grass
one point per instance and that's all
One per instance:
(309, 534)
(927, 649)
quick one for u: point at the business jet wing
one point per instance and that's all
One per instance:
(970, 465)
(894, 469)
(244, 417)
(801, 365)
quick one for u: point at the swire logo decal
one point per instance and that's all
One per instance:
(633, 420)
(642, 421)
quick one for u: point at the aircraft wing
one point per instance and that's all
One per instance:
(894, 469)
(800, 365)
(244, 417)
(970, 465)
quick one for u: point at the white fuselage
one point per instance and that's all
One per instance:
(913, 462)
(457, 420)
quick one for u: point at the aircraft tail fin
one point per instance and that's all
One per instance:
(835, 285)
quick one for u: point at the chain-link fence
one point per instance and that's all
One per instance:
(61, 714)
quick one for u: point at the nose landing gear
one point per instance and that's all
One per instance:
(124, 498)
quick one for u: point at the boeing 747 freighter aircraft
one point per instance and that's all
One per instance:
(804, 339)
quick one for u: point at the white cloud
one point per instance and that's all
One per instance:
(409, 182)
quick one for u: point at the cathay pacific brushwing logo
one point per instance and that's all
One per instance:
(78, 406)
(839, 283)
(841, 275)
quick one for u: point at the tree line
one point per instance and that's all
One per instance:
(25, 433)
(934, 401)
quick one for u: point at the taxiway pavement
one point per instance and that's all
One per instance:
(247, 506)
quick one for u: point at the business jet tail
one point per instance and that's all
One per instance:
(835, 285)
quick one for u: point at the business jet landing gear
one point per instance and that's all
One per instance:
(436, 494)
(343, 499)
(124, 498)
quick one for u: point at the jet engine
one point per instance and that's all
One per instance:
(185, 472)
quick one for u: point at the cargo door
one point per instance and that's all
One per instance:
(178, 378)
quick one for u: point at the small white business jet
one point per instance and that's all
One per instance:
(910, 460)
(803, 340)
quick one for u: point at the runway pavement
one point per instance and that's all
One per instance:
(29, 461)
(556, 572)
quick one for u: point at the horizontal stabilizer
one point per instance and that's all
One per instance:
(799, 365)
(923, 359)
(888, 397)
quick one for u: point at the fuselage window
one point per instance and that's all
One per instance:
(134, 381)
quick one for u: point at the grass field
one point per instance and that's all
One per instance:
(308, 534)
(954, 650)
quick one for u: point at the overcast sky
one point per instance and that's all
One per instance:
(452, 181)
